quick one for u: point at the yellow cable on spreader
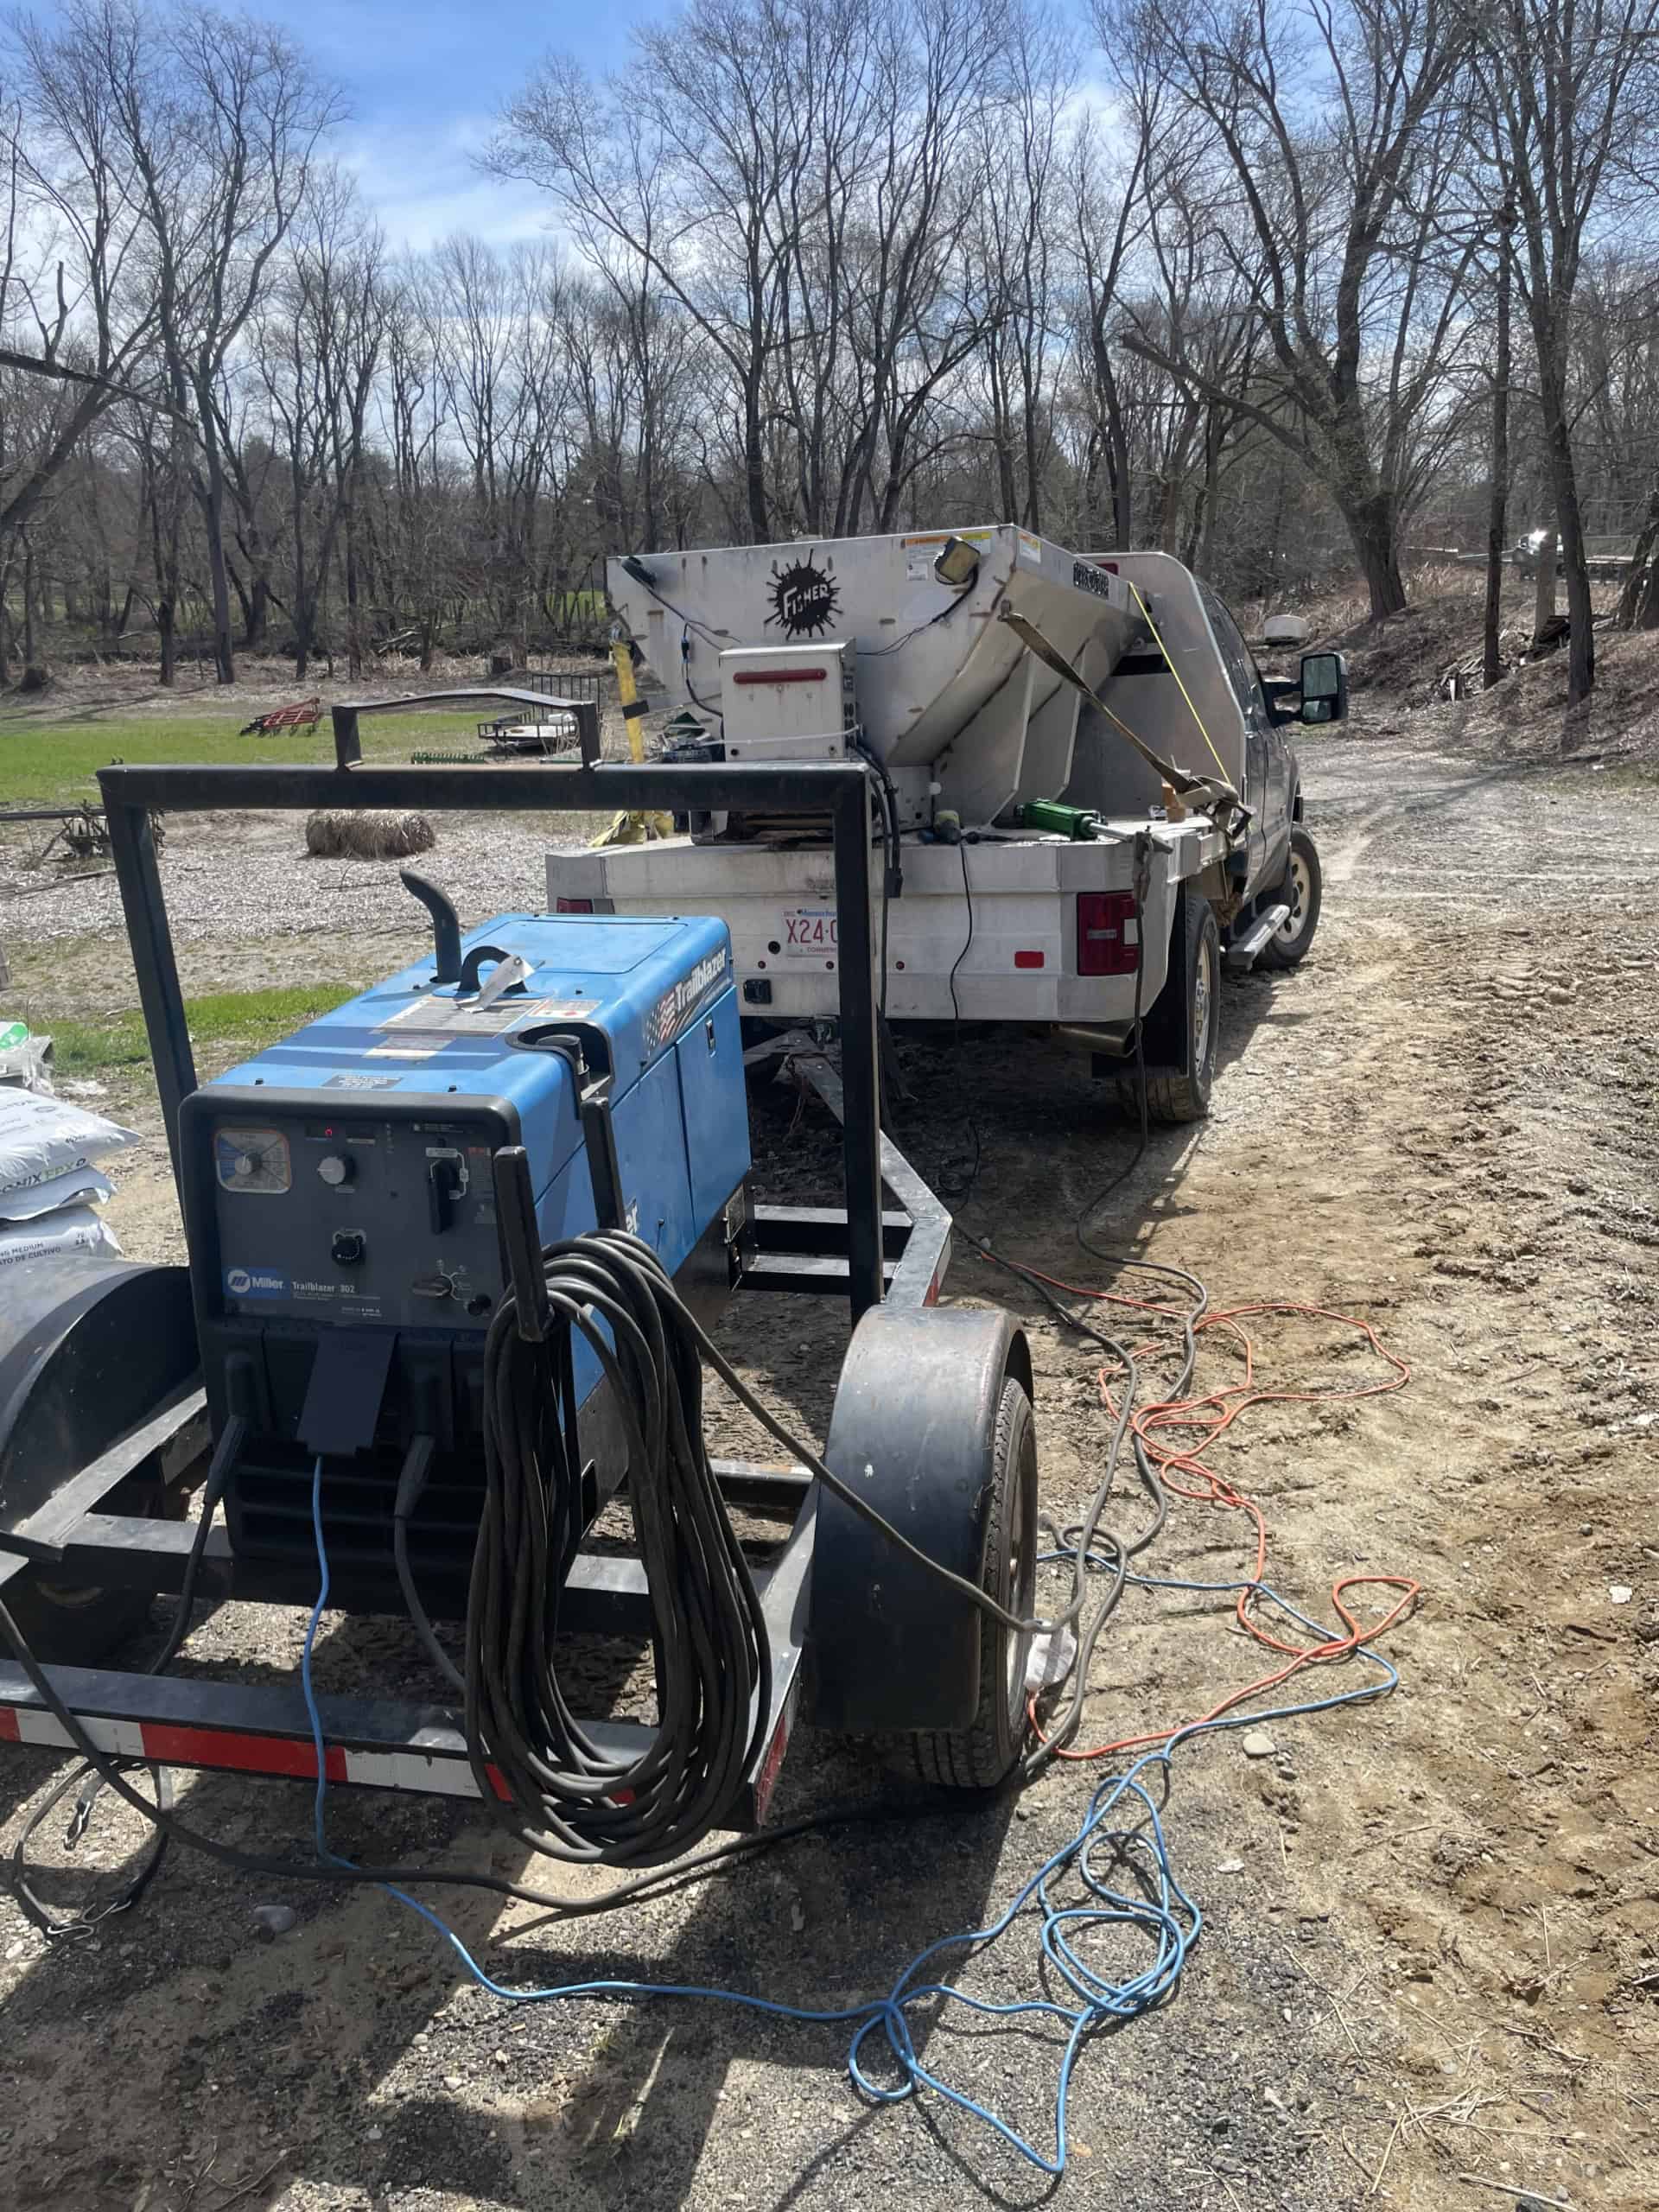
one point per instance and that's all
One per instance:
(1176, 673)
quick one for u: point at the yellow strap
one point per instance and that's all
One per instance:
(1176, 673)
(622, 661)
(632, 829)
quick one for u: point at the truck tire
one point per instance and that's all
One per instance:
(1180, 1030)
(1303, 889)
(982, 1754)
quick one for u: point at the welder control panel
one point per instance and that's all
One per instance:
(331, 1218)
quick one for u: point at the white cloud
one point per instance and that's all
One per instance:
(423, 184)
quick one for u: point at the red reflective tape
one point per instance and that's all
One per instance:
(1028, 959)
(217, 1747)
(9, 1732)
(766, 1781)
(781, 676)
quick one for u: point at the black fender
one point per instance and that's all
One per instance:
(890, 1646)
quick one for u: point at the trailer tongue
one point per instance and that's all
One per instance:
(985, 676)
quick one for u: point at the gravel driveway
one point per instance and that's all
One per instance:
(1429, 1924)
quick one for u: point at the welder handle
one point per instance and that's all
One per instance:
(514, 1209)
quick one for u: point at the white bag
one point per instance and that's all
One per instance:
(76, 1187)
(75, 1228)
(41, 1137)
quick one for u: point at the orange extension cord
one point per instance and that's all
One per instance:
(1211, 1416)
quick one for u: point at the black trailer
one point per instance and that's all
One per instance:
(104, 1426)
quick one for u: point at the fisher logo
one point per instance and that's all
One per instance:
(255, 1282)
(804, 598)
(1086, 577)
(676, 1007)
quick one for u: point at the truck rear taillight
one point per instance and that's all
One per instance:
(1107, 938)
(573, 905)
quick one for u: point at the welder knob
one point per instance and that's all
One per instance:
(348, 1247)
(336, 1170)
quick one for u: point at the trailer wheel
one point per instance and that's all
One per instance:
(979, 1755)
(1302, 890)
(1180, 1030)
(932, 1427)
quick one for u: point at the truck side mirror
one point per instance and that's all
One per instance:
(1324, 687)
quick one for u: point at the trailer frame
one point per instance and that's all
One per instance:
(871, 1253)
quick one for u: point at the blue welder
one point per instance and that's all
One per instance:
(345, 1252)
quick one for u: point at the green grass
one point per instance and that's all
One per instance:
(44, 763)
(250, 1018)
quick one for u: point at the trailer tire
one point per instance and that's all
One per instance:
(76, 1625)
(932, 1427)
(982, 1754)
(1303, 889)
(1180, 1030)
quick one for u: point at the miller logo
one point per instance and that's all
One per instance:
(804, 598)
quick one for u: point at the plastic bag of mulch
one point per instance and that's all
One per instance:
(41, 1138)
(76, 1187)
(25, 1060)
(58, 1235)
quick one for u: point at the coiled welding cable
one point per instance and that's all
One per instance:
(546, 1777)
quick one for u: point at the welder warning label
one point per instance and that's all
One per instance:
(417, 1032)
(363, 1082)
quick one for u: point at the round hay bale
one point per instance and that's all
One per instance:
(350, 833)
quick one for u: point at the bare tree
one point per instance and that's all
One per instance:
(73, 275)
(1328, 129)
(210, 123)
(1574, 85)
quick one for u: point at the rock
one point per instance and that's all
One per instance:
(273, 1920)
(1620, 1593)
(1258, 1745)
(452, 2082)
(1231, 1866)
(1587, 1529)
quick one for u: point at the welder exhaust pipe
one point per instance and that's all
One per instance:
(445, 925)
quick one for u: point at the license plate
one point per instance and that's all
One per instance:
(810, 932)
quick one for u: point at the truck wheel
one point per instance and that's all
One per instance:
(1302, 890)
(1180, 1030)
(979, 1755)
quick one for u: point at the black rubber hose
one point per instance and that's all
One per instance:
(94, 1775)
(418, 1466)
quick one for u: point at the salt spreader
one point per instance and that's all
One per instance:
(1090, 804)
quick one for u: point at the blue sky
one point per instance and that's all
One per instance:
(425, 80)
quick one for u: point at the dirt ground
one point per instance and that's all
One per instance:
(1429, 1969)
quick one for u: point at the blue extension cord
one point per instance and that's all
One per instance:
(1170, 1918)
